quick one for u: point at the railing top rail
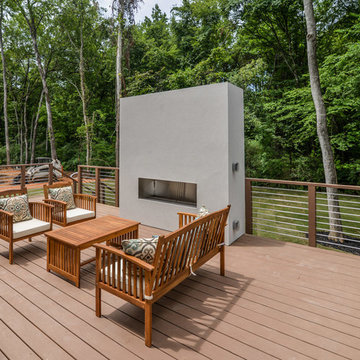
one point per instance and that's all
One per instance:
(19, 165)
(304, 183)
(99, 167)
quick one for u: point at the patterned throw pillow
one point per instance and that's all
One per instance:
(63, 194)
(142, 248)
(202, 212)
(17, 205)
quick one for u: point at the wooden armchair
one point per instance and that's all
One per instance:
(12, 232)
(85, 206)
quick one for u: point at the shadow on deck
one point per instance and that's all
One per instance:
(277, 301)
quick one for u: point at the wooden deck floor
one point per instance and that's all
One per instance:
(277, 301)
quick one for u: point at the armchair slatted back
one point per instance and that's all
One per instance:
(12, 193)
(187, 248)
(55, 186)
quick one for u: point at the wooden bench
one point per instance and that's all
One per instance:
(12, 232)
(177, 256)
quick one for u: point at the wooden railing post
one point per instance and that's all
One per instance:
(80, 178)
(97, 184)
(117, 190)
(22, 181)
(51, 173)
(312, 214)
(248, 206)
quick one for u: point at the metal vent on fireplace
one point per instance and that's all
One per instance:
(168, 191)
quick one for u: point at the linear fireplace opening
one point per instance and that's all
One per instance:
(168, 191)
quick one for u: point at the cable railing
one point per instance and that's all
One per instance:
(30, 176)
(304, 212)
(102, 182)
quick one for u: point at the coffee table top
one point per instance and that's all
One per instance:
(93, 231)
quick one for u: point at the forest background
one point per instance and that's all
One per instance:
(258, 45)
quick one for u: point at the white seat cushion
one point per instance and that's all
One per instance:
(78, 214)
(29, 227)
(126, 278)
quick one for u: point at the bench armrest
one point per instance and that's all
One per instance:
(41, 211)
(186, 218)
(132, 259)
(6, 224)
(85, 201)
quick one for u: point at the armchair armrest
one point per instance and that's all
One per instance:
(59, 213)
(6, 224)
(41, 211)
(185, 218)
(85, 201)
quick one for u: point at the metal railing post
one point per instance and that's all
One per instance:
(80, 178)
(22, 181)
(97, 184)
(248, 207)
(117, 189)
(51, 173)
(312, 214)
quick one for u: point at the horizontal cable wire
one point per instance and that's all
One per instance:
(278, 205)
(338, 194)
(342, 218)
(276, 227)
(273, 193)
(337, 212)
(280, 222)
(283, 200)
(346, 226)
(277, 233)
(340, 200)
(277, 189)
(340, 206)
(337, 244)
(281, 216)
(343, 232)
(283, 211)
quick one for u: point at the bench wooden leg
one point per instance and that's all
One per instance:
(11, 252)
(222, 261)
(98, 301)
(148, 324)
(30, 239)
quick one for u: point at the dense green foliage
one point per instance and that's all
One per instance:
(259, 45)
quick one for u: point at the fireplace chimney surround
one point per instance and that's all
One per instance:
(180, 149)
(176, 192)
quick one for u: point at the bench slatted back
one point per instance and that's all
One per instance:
(178, 251)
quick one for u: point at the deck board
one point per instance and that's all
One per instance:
(277, 301)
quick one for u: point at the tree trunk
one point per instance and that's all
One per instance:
(119, 75)
(84, 94)
(33, 142)
(47, 98)
(7, 141)
(25, 126)
(33, 28)
(321, 120)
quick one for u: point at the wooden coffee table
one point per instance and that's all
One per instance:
(64, 245)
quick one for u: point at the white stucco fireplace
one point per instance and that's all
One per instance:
(180, 150)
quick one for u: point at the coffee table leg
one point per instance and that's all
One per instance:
(77, 271)
(64, 260)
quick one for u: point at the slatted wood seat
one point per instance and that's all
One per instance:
(13, 232)
(177, 256)
(85, 206)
